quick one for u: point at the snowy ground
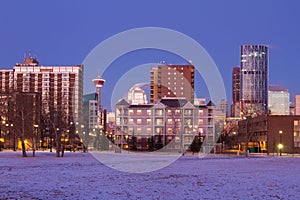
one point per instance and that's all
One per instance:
(81, 176)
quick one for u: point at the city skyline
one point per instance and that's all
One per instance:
(67, 38)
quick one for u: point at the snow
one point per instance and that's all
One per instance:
(82, 176)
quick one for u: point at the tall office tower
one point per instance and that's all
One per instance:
(254, 79)
(172, 81)
(61, 87)
(279, 101)
(297, 104)
(236, 85)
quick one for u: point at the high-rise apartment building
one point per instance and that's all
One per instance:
(279, 101)
(61, 87)
(254, 79)
(172, 81)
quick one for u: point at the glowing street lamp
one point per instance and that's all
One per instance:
(280, 145)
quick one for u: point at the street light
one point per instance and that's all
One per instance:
(280, 145)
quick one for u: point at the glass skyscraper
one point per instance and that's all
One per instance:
(254, 79)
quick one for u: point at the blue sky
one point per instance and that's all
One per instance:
(64, 32)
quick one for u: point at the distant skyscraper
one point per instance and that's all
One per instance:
(236, 85)
(172, 81)
(223, 106)
(254, 79)
(297, 104)
(136, 96)
(90, 111)
(279, 101)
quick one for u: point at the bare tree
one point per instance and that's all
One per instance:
(24, 113)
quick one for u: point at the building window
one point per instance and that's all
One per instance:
(200, 122)
(148, 121)
(139, 112)
(148, 112)
(188, 122)
(158, 130)
(159, 121)
(159, 112)
(130, 121)
(170, 130)
(139, 130)
(200, 112)
(177, 112)
(139, 121)
(149, 130)
(188, 112)
(131, 112)
(170, 121)
(296, 122)
(200, 130)
(130, 130)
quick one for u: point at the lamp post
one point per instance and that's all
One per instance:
(280, 145)
(0, 138)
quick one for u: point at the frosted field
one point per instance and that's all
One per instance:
(81, 176)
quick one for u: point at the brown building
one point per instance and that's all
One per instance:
(266, 133)
(172, 81)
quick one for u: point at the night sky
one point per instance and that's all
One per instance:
(64, 32)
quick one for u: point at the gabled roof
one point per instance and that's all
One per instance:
(174, 102)
(122, 102)
(188, 105)
(159, 105)
(210, 103)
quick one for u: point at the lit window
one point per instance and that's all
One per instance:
(170, 130)
(139, 112)
(131, 112)
(170, 121)
(158, 130)
(158, 112)
(139, 130)
(188, 122)
(200, 121)
(139, 121)
(148, 112)
(296, 122)
(148, 121)
(149, 130)
(200, 130)
(159, 121)
(130, 121)
(200, 112)
(177, 112)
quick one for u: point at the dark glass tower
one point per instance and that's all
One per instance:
(254, 79)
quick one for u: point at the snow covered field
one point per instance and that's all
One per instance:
(81, 176)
